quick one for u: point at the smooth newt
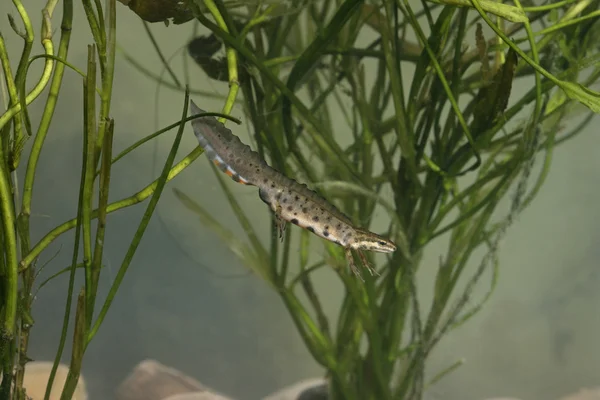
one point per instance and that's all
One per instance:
(289, 200)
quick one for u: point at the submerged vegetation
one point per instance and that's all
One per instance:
(435, 137)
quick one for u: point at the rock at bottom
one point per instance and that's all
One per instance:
(584, 394)
(151, 380)
(309, 389)
(36, 379)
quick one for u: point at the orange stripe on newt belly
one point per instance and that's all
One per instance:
(230, 172)
(236, 177)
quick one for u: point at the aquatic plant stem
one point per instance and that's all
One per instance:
(104, 185)
(160, 184)
(48, 113)
(106, 55)
(232, 63)
(88, 167)
(127, 202)
(79, 345)
(11, 285)
(43, 81)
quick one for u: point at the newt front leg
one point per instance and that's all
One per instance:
(281, 224)
(350, 261)
(363, 258)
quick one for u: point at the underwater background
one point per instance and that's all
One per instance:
(188, 302)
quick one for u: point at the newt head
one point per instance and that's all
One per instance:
(365, 240)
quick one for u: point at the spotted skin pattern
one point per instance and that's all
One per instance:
(289, 200)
